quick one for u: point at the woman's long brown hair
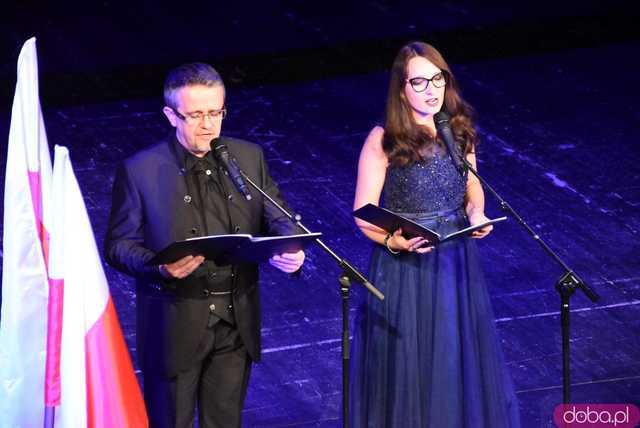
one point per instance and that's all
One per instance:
(404, 140)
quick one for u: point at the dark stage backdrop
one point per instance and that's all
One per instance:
(114, 49)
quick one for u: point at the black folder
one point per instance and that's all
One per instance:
(390, 221)
(237, 248)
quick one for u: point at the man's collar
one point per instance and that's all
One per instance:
(190, 161)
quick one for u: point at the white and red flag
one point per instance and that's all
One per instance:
(61, 346)
(98, 384)
(23, 317)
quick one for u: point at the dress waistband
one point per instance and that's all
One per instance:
(433, 215)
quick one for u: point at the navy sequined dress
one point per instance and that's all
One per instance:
(428, 355)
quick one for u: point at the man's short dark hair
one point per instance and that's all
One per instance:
(196, 73)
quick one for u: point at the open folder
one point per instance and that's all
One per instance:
(237, 248)
(390, 221)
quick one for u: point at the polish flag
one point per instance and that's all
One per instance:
(23, 318)
(61, 347)
(98, 384)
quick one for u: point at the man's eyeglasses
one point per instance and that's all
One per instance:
(198, 116)
(419, 84)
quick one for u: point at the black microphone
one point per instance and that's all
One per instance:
(221, 153)
(441, 120)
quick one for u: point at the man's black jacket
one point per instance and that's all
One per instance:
(151, 208)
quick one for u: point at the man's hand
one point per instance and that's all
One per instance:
(181, 268)
(288, 262)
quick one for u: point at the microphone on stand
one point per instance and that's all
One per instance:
(441, 120)
(221, 153)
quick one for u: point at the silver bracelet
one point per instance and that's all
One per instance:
(386, 244)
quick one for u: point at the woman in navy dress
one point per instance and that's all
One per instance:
(428, 355)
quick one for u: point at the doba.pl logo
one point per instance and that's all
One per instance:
(596, 415)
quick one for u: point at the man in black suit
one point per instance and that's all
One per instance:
(198, 323)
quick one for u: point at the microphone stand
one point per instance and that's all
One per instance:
(566, 285)
(349, 274)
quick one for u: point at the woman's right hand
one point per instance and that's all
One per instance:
(398, 243)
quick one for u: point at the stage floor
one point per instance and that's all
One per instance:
(560, 142)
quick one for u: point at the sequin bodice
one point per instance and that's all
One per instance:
(428, 186)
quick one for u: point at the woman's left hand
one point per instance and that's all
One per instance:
(477, 218)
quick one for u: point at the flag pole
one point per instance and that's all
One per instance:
(49, 416)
